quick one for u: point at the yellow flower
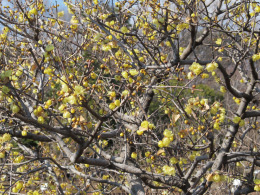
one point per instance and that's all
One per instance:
(71, 99)
(188, 109)
(141, 59)
(64, 88)
(125, 74)
(216, 126)
(93, 75)
(74, 20)
(211, 66)
(196, 68)
(257, 9)
(255, 57)
(133, 72)
(124, 29)
(236, 119)
(242, 123)
(125, 93)
(33, 11)
(219, 41)
(117, 78)
(168, 170)
(182, 26)
(5, 30)
(79, 90)
(205, 76)
(106, 48)
(112, 94)
(112, 106)
(117, 103)
(190, 75)
(48, 71)
(221, 118)
(222, 89)
(6, 137)
(145, 124)
(61, 14)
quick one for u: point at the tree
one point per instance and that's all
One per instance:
(133, 95)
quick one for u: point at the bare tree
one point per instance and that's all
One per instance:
(129, 95)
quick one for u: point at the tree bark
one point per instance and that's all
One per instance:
(136, 186)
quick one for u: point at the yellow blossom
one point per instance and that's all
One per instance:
(222, 89)
(145, 124)
(61, 14)
(79, 90)
(33, 11)
(205, 76)
(6, 137)
(255, 57)
(257, 9)
(196, 68)
(236, 119)
(124, 29)
(188, 110)
(190, 75)
(74, 20)
(133, 72)
(219, 41)
(211, 66)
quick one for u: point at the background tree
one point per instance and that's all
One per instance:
(133, 95)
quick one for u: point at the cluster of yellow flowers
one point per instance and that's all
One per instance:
(217, 111)
(168, 170)
(6, 137)
(212, 66)
(239, 121)
(256, 57)
(220, 117)
(195, 103)
(196, 68)
(168, 138)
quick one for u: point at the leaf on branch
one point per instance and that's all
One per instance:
(81, 118)
(160, 152)
(143, 128)
(205, 108)
(175, 117)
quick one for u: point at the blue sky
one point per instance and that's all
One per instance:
(61, 2)
(50, 2)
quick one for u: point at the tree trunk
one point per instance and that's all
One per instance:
(136, 186)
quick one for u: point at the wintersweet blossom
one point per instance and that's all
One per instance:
(133, 72)
(79, 90)
(255, 57)
(219, 41)
(196, 68)
(211, 66)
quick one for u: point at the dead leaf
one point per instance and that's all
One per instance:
(205, 108)
(143, 129)
(160, 152)
(175, 117)
(81, 118)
